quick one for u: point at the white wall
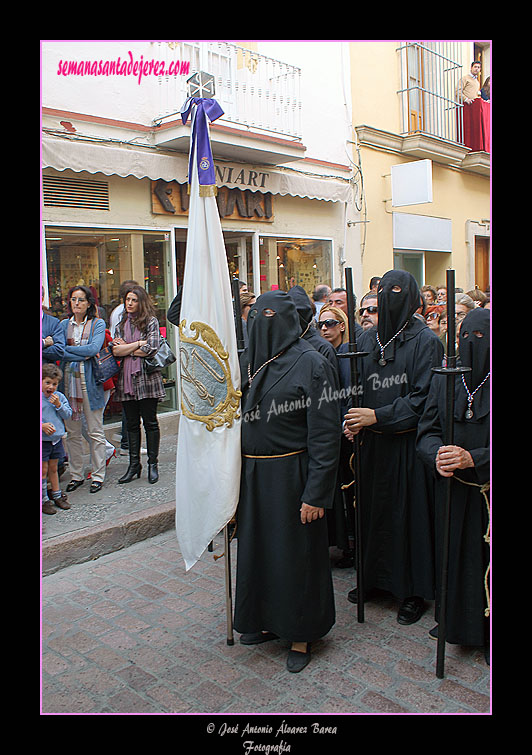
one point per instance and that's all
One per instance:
(325, 118)
(116, 97)
(325, 110)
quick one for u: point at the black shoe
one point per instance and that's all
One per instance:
(153, 473)
(95, 487)
(255, 638)
(153, 438)
(133, 471)
(433, 634)
(296, 661)
(411, 610)
(73, 484)
(346, 561)
(373, 592)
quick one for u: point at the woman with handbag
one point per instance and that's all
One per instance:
(84, 336)
(138, 338)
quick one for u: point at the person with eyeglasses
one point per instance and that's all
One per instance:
(463, 305)
(84, 335)
(309, 332)
(333, 325)
(432, 317)
(334, 328)
(368, 314)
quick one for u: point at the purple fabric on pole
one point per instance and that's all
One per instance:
(207, 110)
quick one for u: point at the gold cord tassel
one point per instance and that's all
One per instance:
(221, 555)
(351, 465)
(483, 489)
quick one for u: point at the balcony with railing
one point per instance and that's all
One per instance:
(260, 97)
(434, 123)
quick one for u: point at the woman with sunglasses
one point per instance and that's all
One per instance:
(333, 325)
(432, 317)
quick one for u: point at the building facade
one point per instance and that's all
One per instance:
(115, 154)
(426, 199)
(303, 155)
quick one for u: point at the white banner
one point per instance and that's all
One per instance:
(208, 447)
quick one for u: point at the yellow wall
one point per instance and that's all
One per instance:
(457, 195)
(374, 84)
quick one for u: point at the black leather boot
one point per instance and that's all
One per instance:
(134, 468)
(153, 438)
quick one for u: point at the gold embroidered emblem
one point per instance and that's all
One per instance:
(207, 391)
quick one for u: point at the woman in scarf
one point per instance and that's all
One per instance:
(139, 391)
(84, 336)
(396, 491)
(290, 448)
(467, 461)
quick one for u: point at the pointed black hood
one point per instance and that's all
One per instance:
(396, 308)
(269, 337)
(474, 350)
(303, 305)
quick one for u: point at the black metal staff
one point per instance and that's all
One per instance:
(354, 355)
(450, 371)
(235, 286)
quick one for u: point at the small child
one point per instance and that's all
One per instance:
(55, 408)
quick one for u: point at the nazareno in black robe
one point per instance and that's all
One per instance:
(340, 516)
(395, 489)
(283, 582)
(468, 578)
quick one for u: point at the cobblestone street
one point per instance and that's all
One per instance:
(132, 632)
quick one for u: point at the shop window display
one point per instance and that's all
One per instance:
(101, 261)
(294, 262)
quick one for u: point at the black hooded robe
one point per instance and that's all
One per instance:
(396, 490)
(339, 516)
(467, 584)
(290, 447)
(306, 317)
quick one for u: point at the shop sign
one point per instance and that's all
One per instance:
(172, 198)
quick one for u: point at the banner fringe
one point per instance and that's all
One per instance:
(206, 191)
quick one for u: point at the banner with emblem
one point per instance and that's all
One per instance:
(208, 447)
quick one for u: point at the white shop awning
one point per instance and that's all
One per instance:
(132, 160)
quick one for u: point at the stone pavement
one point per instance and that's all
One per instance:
(126, 630)
(118, 515)
(132, 632)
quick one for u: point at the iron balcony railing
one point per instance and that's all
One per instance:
(430, 72)
(255, 91)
